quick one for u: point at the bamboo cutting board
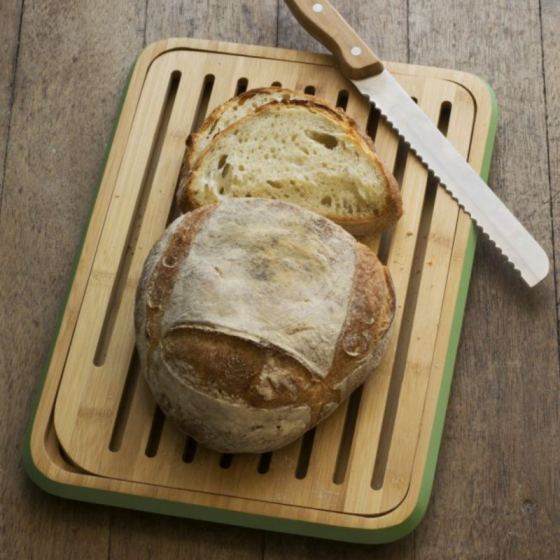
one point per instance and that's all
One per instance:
(363, 475)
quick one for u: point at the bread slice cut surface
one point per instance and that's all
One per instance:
(300, 152)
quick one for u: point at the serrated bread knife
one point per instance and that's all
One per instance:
(359, 64)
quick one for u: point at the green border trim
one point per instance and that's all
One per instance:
(254, 521)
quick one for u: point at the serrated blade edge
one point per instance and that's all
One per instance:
(457, 176)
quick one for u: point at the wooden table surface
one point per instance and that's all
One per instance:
(63, 67)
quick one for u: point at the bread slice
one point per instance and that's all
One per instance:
(236, 108)
(302, 152)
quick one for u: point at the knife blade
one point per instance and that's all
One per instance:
(366, 71)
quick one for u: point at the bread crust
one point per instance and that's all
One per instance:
(210, 123)
(359, 226)
(235, 392)
(156, 282)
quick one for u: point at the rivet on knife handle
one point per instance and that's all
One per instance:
(318, 17)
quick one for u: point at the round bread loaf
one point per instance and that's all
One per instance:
(255, 319)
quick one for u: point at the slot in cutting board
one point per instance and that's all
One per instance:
(366, 472)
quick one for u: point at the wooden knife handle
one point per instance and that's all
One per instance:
(320, 19)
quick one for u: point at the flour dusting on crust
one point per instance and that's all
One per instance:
(268, 277)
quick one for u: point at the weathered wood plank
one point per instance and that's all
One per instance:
(289, 547)
(550, 21)
(493, 494)
(10, 20)
(142, 536)
(550, 13)
(72, 65)
(241, 21)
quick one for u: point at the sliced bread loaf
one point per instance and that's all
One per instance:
(302, 152)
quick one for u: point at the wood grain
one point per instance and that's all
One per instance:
(355, 57)
(497, 470)
(72, 65)
(282, 547)
(497, 483)
(550, 12)
(142, 536)
(241, 21)
(10, 21)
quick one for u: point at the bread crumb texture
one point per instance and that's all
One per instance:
(293, 148)
(270, 157)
